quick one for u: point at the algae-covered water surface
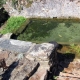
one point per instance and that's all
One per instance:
(45, 30)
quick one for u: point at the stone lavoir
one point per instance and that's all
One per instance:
(42, 61)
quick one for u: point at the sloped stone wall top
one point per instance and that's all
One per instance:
(40, 49)
(15, 45)
(33, 49)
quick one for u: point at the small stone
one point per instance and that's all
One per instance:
(7, 36)
(4, 54)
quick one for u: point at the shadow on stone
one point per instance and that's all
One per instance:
(32, 72)
(7, 74)
(14, 36)
(57, 62)
(3, 16)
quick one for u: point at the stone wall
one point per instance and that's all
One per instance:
(31, 61)
(47, 9)
(25, 60)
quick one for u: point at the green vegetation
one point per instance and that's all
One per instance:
(45, 30)
(75, 49)
(2, 2)
(72, 48)
(15, 25)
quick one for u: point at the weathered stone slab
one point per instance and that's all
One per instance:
(41, 51)
(41, 72)
(15, 45)
(23, 69)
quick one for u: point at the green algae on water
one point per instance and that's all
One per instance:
(45, 30)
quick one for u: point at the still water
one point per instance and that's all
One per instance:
(45, 30)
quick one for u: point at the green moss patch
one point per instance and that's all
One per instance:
(15, 25)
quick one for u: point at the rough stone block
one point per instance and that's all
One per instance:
(41, 51)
